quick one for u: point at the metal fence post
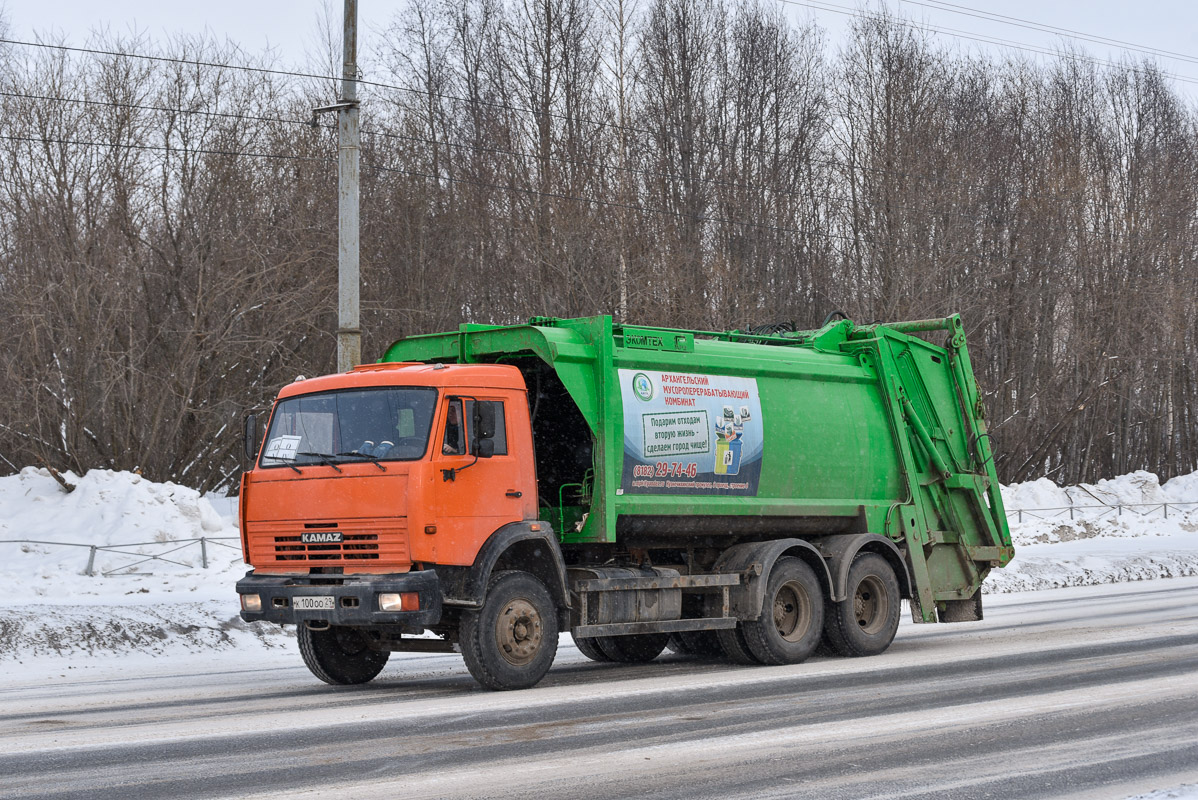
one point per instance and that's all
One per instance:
(1166, 510)
(1120, 507)
(1021, 515)
(204, 552)
(91, 562)
(1070, 512)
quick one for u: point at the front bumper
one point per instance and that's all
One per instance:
(355, 599)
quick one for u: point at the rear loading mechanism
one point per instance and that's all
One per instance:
(743, 494)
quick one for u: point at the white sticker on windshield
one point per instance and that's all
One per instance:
(283, 448)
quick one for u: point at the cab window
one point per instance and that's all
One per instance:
(500, 437)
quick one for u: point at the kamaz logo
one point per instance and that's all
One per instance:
(321, 537)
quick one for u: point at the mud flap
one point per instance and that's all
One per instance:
(963, 610)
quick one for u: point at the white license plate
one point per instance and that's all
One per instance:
(312, 603)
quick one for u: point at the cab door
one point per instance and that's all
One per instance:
(478, 483)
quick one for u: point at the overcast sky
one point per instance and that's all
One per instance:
(290, 27)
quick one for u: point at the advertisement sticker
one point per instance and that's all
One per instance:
(687, 433)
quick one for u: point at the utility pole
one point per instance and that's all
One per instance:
(349, 146)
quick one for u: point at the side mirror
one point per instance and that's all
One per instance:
(251, 437)
(484, 448)
(484, 421)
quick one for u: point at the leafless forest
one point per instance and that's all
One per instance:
(168, 228)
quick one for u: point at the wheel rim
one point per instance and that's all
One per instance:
(518, 632)
(870, 606)
(792, 611)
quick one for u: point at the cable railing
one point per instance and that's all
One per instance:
(171, 548)
(1096, 511)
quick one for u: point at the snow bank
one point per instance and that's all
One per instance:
(1121, 533)
(1187, 791)
(157, 606)
(132, 602)
(113, 509)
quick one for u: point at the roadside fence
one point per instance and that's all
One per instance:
(1100, 510)
(171, 547)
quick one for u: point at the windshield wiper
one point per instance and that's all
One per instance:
(373, 459)
(325, 458)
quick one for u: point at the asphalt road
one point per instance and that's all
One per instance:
(1088, 693)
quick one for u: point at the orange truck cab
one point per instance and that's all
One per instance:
(367, 479)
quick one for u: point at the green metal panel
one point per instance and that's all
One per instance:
(864, 422)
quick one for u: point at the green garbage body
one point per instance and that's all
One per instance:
(658, 445)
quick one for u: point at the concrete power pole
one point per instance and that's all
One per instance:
(349, 145)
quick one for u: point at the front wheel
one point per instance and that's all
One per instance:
(792, 615)
(864, 623)
(340, 655)
(510, 642)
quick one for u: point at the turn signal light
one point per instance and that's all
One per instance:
(251, 602)
(402, 601)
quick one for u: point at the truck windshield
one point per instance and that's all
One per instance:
(385, 424)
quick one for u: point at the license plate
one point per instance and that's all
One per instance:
(312, 603)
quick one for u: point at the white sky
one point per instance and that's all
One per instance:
(290, 26)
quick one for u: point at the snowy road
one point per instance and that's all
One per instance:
(1089, 692)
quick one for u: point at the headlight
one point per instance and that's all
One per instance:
(251, 602)
(402, 601)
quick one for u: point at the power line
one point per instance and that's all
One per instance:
(521, 109)
(1046, 28)
(162, 148)
(449, 144)
(983, 38)
(832, 162)
(163, 109)
(166, 59)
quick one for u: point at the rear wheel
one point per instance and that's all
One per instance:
(340, 655)
(735, 646)
(510, 642)
(729, 643)
(864, 623)
(792, 615)
(589, 647)
(678, 645)
(702, 643)
(638, 648)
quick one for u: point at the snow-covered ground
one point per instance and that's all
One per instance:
(1129, 528)
(156, 607)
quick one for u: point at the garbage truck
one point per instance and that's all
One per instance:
(748, 494)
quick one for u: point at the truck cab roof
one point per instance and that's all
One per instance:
(409, 373)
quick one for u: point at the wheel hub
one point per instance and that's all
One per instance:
(518, 631)
(869, 605)
(792, 614)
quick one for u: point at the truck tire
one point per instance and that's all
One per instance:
(638, 648)
(864, 623)
(735, 646)
(728, 643)
(589, 647)
(340, 655)
(701, 643)
(510, 642)
(678, 645)
(792, 615)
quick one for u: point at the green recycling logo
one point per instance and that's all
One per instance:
(642, 387)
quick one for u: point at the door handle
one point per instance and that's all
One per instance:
(513, 493)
